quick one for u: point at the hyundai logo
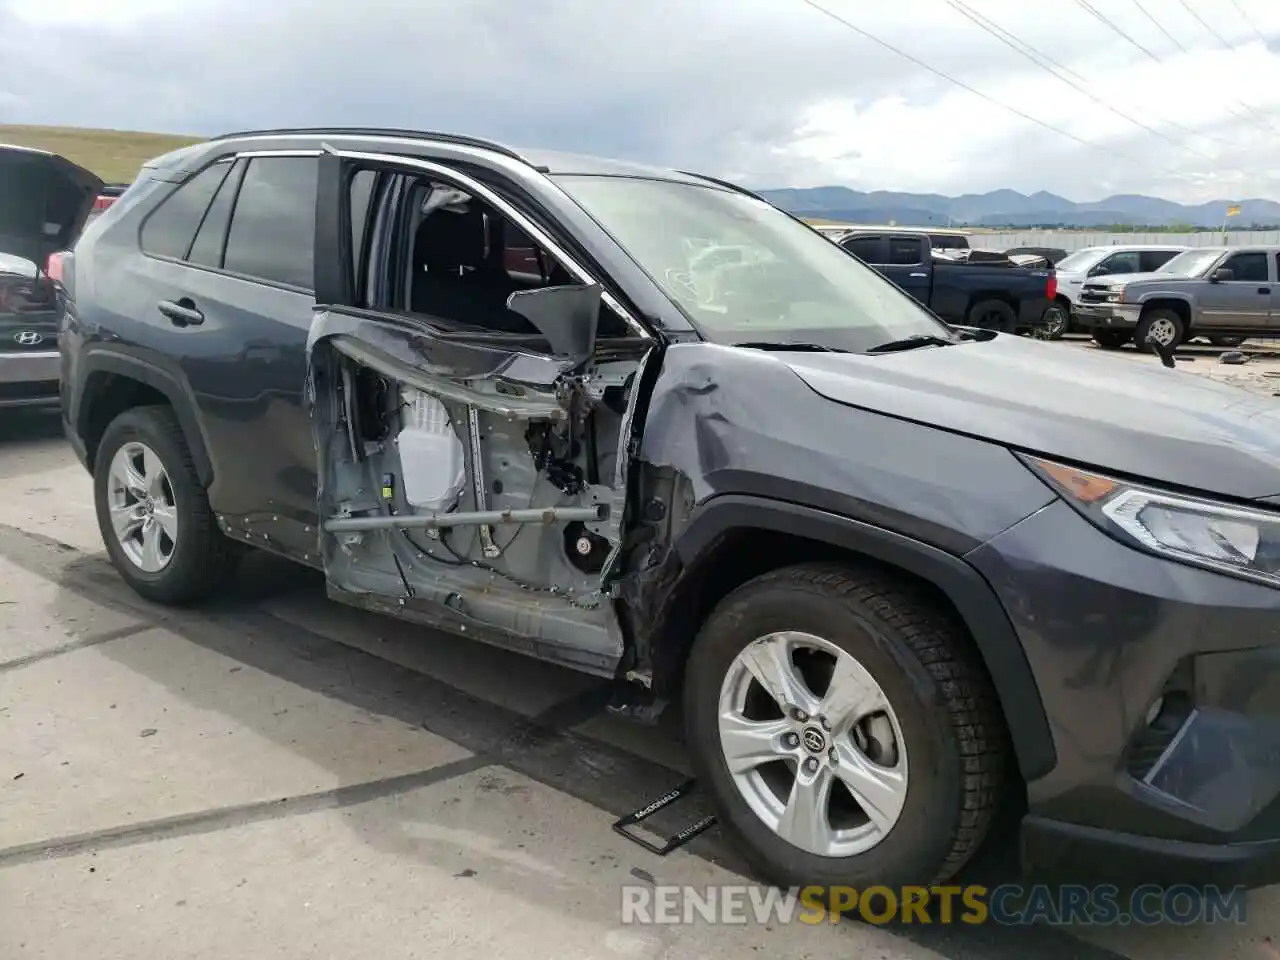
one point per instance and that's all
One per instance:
(28, 338)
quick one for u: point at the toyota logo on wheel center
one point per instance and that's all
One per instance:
(814, 740)
(28, 338)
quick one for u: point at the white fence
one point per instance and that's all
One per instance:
(1074, 240)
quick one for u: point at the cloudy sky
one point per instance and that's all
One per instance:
(768, 92)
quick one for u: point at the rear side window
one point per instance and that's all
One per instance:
(171, 227)
(272, 232)
(207, 248)
(1153, 260)
(906, 250)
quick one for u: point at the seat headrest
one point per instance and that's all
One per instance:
(447, 240)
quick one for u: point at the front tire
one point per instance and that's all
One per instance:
(891, 770)
(153, 513)
(1165, 325)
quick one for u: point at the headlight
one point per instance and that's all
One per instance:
(1230, 539)
(1115, 295)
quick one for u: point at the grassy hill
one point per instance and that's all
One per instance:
(114, 155)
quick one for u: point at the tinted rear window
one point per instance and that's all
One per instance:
(171, 227)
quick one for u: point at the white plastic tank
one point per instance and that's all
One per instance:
(432, 460)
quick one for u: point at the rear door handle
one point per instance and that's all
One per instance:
(1264, 289)
(919, 274)
(181, 313)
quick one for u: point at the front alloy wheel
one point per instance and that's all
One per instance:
(144, 511)
(841, 721)
(827, 774)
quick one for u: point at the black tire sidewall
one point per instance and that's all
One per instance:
(1008, 318)
(921, 839)
(144, 426)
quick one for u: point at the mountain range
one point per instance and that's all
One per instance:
(1008, 208)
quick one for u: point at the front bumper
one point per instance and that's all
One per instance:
(1161, 683)
(1106, 316)
(29, 378)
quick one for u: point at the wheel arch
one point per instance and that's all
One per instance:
(1178, 305)
(114, 382)
(784, 533)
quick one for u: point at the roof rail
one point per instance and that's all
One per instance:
(723, 183)
(455, 138)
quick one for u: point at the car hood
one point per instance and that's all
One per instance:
(1121, 279)
(1123, 416)
(45, 201)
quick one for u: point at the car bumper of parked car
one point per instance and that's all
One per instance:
(1161, 684)
(29, 379)
(1106, 316)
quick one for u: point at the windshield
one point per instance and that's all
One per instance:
(1081, 260)
(743, 271)
(1191, 263)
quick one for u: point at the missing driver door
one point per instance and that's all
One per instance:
(470, 438)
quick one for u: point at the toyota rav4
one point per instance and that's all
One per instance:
(898, 571)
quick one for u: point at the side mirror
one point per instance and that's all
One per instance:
(1222, 274)
(567, 316)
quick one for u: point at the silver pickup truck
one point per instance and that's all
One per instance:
(1226, 294)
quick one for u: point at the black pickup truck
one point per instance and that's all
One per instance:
(978, 291)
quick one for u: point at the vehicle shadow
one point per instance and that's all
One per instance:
(549, 748)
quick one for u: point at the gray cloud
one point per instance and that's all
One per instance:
(712, 84)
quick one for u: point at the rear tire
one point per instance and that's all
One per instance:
(153, 514)
(940, 726)
(1112, 339)
(993, 315)
(1055, 322)
(1166, 325)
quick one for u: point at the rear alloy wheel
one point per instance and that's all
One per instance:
(153, 513)
(993, 315)
(844, 729)
(1054, 323)
(144, 510)
(1112, 339)
(1163, 326)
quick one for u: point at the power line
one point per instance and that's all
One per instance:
(1261, 120)
(1108, 22)
(1057, 70)
(1205, 23)
(976, 92)
(1248, 21)
(960, 83)
(1160, 26)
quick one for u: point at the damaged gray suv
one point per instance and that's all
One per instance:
(645, 424)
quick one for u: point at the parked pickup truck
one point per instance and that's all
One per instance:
(1226, 294)
(994, 294)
